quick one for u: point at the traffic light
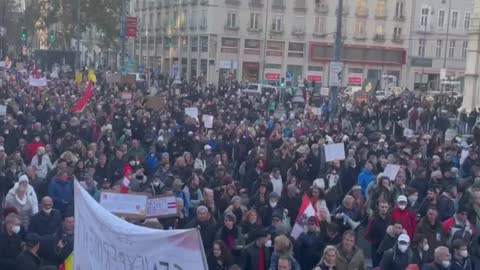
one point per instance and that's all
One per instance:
(52, 36)
(24, 34)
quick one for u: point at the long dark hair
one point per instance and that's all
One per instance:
(226, 257)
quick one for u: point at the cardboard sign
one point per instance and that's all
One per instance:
(192, 112)
(450, 134)
(161, 207)
(391, 171)
(19, 66)
(124, 204)
(334, 152)
(3, 110)
(207, 121)
(156, 103)
(126, 95)
(128, 79)
(41, 82)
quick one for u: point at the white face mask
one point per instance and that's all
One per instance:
(273, 204)
(16, 229)
(402, 207)
(446, 264)
(268, 243)
(48, 211)
(156, 183)
(464, 253)
(426, 248)
(402, 248)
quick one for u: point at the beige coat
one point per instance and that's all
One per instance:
(356, 263)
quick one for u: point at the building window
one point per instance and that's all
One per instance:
(300, 4)
(299, 26)
(438, 49)
(380, 29)
(193, 20)
(320, 25)
(203, 66)
(421, 47)
(464, 49)
(441, 18)
(296, 49)
(204, 44)
(399, 9)
(231, 20)
(203, 21)
(194, 44)
(380, 9)
(454, 19)
(424, 17)
(361, 7)
(254, 20)
(277, 24)
(466, 23)
(451, 49)
(397, 33)
(360, 31)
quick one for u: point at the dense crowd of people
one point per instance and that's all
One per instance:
(242, 182)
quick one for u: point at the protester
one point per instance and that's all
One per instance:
(258, 172)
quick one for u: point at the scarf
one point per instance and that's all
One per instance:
(261, 259)
(21, 201)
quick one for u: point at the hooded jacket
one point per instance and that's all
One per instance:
(364, 179)
(407, 218)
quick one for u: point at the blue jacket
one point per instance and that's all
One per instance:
(61, 193)
(364, 179)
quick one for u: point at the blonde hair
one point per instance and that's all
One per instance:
(326, 250)
(283, 244)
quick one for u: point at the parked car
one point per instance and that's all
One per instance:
(258, 89)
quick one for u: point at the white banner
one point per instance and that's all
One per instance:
(104, 241)
(41, 82)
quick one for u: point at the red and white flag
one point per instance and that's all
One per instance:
(306, 211)
(83, 102)
(35, 72)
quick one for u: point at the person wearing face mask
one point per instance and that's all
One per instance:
(421, 251)
(460, 260)
(405, 216)
(398, 257)
(10, 242)
(442, 260)
(413, 203)
(47, 221)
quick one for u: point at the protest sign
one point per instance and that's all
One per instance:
(126, 95)
(104, 241)
(207, 121)
(3, 110)
(19, 66)
(391, 171)
(334, 152)
(156, 103)
(128, 205)
(113, 78)
(40, 82)
(161, 207)
(128, 79)
(192, 112)
(450, 134)
(324, 91)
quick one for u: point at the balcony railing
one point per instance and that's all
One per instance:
(361, 12)
(232, 27)
(321, 8)
(379, 37)
(255, 4)
(360, 36)
(380, 15)
(298, 31)
(400, 18)
(397, 38)
(279, 5)
(233, 2)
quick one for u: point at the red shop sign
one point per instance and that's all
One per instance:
(316, 78)
(271, 76)
(355, 80)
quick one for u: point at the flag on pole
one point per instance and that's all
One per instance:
(306, 211)
(91, 76)
(78, 77)
(67, 264)
(83, 102)
(35, 72)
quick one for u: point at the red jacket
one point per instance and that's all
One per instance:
(31, 150)
(407, 218)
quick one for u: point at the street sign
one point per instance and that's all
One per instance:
(131, 24)
(335, 78)
(443, 74)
